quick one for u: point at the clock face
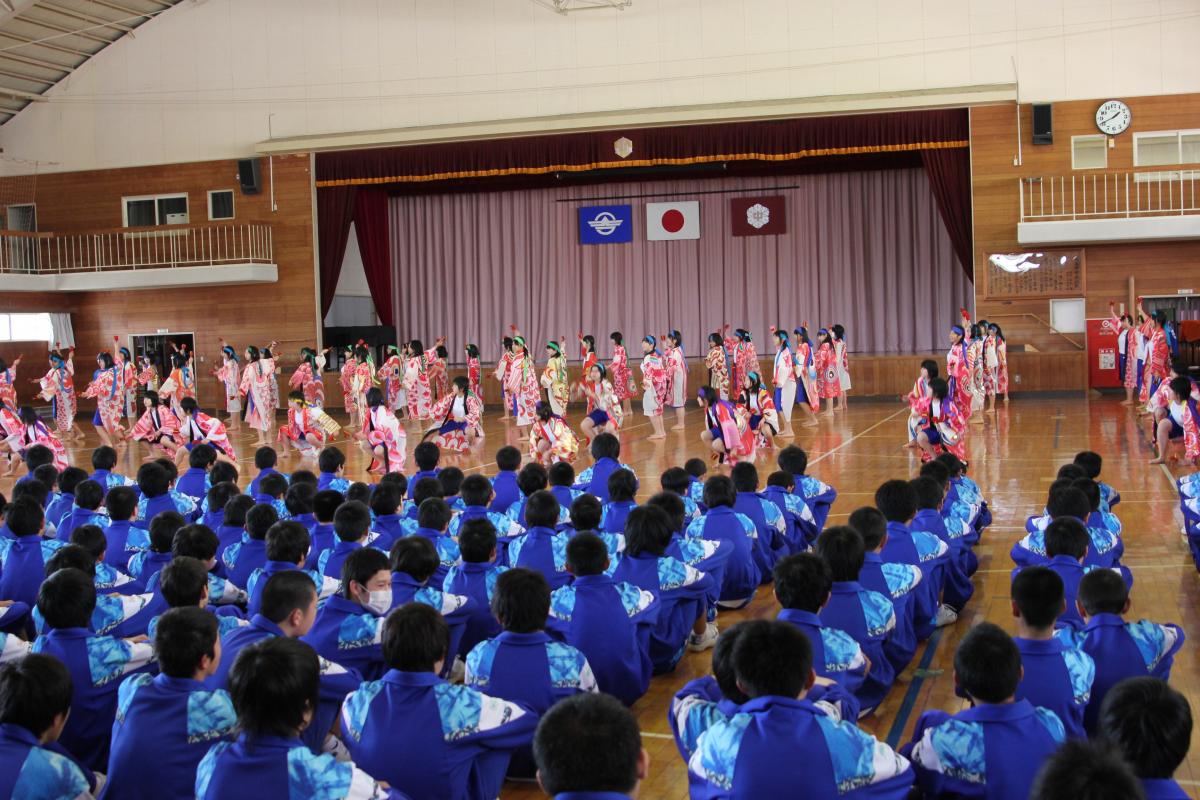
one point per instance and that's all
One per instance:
(1113, 117)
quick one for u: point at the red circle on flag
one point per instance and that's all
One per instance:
(672, 220)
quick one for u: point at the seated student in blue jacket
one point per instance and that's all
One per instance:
(66, 601)
(475, 578)
(197, 541)
(1093, 464)
(23, 560)
(721, 523)
(265, 460)
(232, 527)
(154, 482)
(1056, 676)
(541, 547)
(1066, 543)
(242, 558)
(957, 588)
(389, 523)
(425, 737)
(332, 463)
(781, 744)
(894, 581)
(108, 578)
(771, 543)
(271, 491)
(426, 455)
(703, 702)
(687, 596)
(801, 527)
(898, 502)
(589, 746)
(803, 586)
(817, 494)
(433, 520)
(606, 453)
(63, 501)
(112, 610)
(1120, 649)
(1150, 724)
(1104, 548)
(104, 461)
(609, 621)
(214, 503)
(523, 664)
(867, 616)
(562, 481)
(995, 748)
(450, 479)
(622, 489)
(414, 562)
(585, 515)
(477, 494)
(677, 481)
(194, 481)
(275, 685)
(288, 544)
(349, 624)
(504, 482)
(165, 724)
(145, 563)
(184, 583)
(89, 500)
(298, 500)
(532, 478)
(696, 468)
(1085, 769)
(35, 701)
(963, 489)
(422, 490)
(352, 531)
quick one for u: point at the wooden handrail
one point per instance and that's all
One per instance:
(1050, 328)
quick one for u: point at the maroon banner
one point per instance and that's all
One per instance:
(758, 216)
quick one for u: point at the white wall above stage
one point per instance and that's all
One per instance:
(209, 79)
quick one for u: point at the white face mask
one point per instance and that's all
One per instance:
(380, 601)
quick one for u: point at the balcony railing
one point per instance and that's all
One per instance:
(135, 248)
(1099, 195)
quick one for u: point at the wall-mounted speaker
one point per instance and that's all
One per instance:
(250, 175)
(1043, 124)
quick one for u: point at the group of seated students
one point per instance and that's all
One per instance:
(171, 635)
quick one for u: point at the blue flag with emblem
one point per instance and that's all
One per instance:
(605, 224)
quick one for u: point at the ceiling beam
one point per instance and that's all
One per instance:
(126, 10)
(48, 45)
(68, 12)
(21, 76)
(8, 92)
(37, 62)
(26, 18)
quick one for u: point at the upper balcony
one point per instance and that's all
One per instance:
(1097, 207)
(137, 258)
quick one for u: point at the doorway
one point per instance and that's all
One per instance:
(22, 251)
(158, 347)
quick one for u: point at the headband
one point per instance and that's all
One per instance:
(782, 335)
(824, 331)
(552, 345)
(519, 340)
(957, 329)
(651, 341)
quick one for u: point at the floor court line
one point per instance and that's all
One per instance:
(850, 441)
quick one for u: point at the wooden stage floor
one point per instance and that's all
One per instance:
(1014, 456)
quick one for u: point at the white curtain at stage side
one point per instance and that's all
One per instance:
(60, 329)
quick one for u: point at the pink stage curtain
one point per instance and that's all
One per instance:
(335, 211)
(864, 249)
(371, 230)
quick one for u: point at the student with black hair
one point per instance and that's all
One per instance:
(35, 702)
(523, 664)
(23, 562)
(606, 453)
(561, 476)
(213, 507)
(332, 463)
(803, 586)
(108, 579)
(64, 499)
(38, 455)
(89, 497)
(194, 481)
(1009, 738)
(475, 577)
(66, 601)
(771, 542)
(388, 521)
(504, 483)
(622, 488)
(104, 461)
(451, 479)
(1151, 725)
(896, 582)
(298, 500)
(433, 520)
(609, 621)
(288, 544)
(425, 737)
(531, 479)
(242, 558)
(696, 468)
(704, 701)
(1120, 649)
(275, 686)
(780, 741)
(960, 559)
(590, 746)
(721, 523)
(1092, 464)
(817, 494)
(687, 596)
(1056, 676)
(800, 527)
(265, 459)
(422, 490)
(352, 527)
(541, 547)
(233, 525)
(677, 481)
(349, 624)
(585, 514)
(271, 490)
(867, 616)
(414, 561)
(324, 505)
(477, 495)
(897, 501)
(1086, 770)
(145, 563)
(166, 724)
(154, 483)
(1104, 548)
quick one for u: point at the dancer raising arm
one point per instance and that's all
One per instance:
(554, 377)
(58, 386)
(256, 389)
(107, 389)
(307, 376)
(603, 407)
(8, 382)
(522, 383)
(228, 375)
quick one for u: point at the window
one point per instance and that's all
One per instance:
(1089, 152)
(1159, 148)
(161, 209)
(26, 328)
(220, 204)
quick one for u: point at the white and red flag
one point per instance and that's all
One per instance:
(665, 221)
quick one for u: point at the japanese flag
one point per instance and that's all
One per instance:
(673, 220)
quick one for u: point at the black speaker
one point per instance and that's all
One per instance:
(250, 175)
(1043, 125)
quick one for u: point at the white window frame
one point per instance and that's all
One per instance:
(1179, 134)
(233, 202)
(1090, 137)
(7, 337)
(155, 197)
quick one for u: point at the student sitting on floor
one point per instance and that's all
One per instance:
(35, 701)
(962, 563)
(451, 479)
(677, 481)
(324, 505)
(1056, 677)
(287, 549)
(590, 746)
(721, 523)
(271, 491)
(609, 621)
(154, 483)
(803, 586)
(696, 468)
(702, 554)
(194, 481)
(89, 497)
(298, 500)
(475, 578)
(818, 495)
(426, 455)
(104, 461)
(541, 547)
(898, 502)
(702, 702)
(23, 561)
(275, 686)
(1066, 543)
(166, 724)
(332, 463)
(428, 738)
(1104, 549)
(108, 578)
(894, 581)
(1151, 724)
(771, 543)
(389, 524)
(433, 520)
(144, 564)
(66, 601)
(63, 500)
(1120, 649)
(181, 584)
(869, 617)
(606, 452)
(1092, 464)
(265, 459)
(112, 610)
(505, 491)
(801, 527)
(562, 481)
(994, 749)
(349, 624)
(1085, 770)
(477, 496)
(532, 478)
(422, 490)
(414, 562)
(780, 741)
(352, 527)
(622, 488)
(241, 559)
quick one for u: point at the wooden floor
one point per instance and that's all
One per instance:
(1014, 456)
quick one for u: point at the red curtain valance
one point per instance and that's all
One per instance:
(768, 141)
